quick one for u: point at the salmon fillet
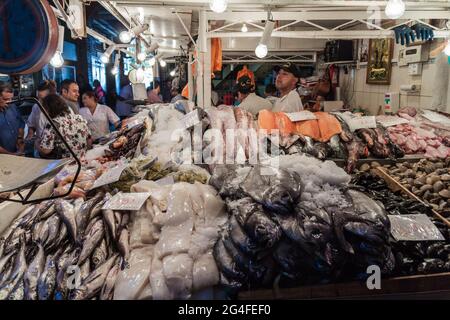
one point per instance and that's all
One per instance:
(328, 125)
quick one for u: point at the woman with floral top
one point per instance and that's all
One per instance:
(72, 127)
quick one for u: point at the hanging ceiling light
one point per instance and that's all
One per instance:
(127, 35)
(395, 9)
(447, 48)
(244, 28)
(57, 60)
(162, 63)
(115, 69)
(261, 50)
(153, 46)
(218, 6)
(172, 73)
(141, 56)
(105, 56)
(140, 75)
(152, 61)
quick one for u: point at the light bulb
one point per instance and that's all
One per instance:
(141, 56)
(114, 71)
(152, 62)
(162, 63)
(447, 48)
(244, 28)
(172, 73)
(125, 36)
(104, 58)
(140, 75)
(261, 50)
(57, 60)
(218, 6)
(395, 9)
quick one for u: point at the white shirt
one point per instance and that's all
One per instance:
(254, 104)
(289, 103)
(98, 122)
(272, 99)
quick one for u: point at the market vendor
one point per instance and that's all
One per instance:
(71, 126)
(286, 83)
(11, 123)
(248, 99)
(98, 116)
(70, 92)
(123, 108)
(153, 93)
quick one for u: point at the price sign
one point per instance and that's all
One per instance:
(414, 227)
(367, 122)
(389, 121)
(166, 181)
(109, 176)
(127, 201)
(301, 116)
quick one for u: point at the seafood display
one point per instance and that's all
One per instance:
(279, 231)
(427, 179)
(171, 241)
(412, 257)
(62, 249)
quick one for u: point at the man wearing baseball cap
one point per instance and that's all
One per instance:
(248, 99)
(286, 83)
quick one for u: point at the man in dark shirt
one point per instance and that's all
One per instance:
(11, 123)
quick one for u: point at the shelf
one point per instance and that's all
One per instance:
(340, 62)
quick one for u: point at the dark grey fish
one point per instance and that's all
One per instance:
(4, 261)
(92, 285)
(109, 218)
(33, 273)
(67, 214)
(47, 280)
(97, 210)
(91, 241)
(226, 264)
(47, 210)
(83, 215)
(100, 254)
(53, 227)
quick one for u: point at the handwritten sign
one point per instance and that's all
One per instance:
(366, 122)
(109, 176)
(436, 117)
(127, 201)
(301, 116)
(414, 227)
(389, 121)
(166, 181)
(190, 119)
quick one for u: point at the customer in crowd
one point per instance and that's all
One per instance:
(153, 93)
(286, 83)
(176, 95)
(248, 99)
(99, 92)
(70, 92)
(214, 96)
(37, 121)
(71, 126)
(98, 116)
(11, 123)
(271, 93)
(123, 108)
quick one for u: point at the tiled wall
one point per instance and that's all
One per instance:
(371, 97)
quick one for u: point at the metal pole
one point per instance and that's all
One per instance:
(207, 71)
(202, 29)
(190, 78)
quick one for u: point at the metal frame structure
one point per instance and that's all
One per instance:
(278, 57)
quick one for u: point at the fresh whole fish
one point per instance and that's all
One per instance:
(12, 282)
(13, 241)
(18, 292)
(83, 215)
(123, 244)
(97, 210)
(100, 254)
(53, 227)
(62, 234)
(109, 218)
(85, 270)
(94, 282)
(61, 290)
(33, 273)
(47, 212)
(4, 261)
(107, 291)
(117, 222)
(47, 280)
(36, 230)
(93, 239)
(67, 214)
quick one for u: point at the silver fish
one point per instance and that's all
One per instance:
(36, 230)
(83, 215)
(77, 205)
(97, 210)
(48, 210)
(85, 270)
(53, 228)
(108, 288)
(18, 292)
(8, 288)
(94, 282)
(13, 240)
(17, 273)
(27, 218)
(123, 244)
(124, 221)
(66, 212)
(33, 273)
(100, 254)
(108, 217)
(47, 280)
(91, 223)
(61, 290)
(4, 261)
(93, 238)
